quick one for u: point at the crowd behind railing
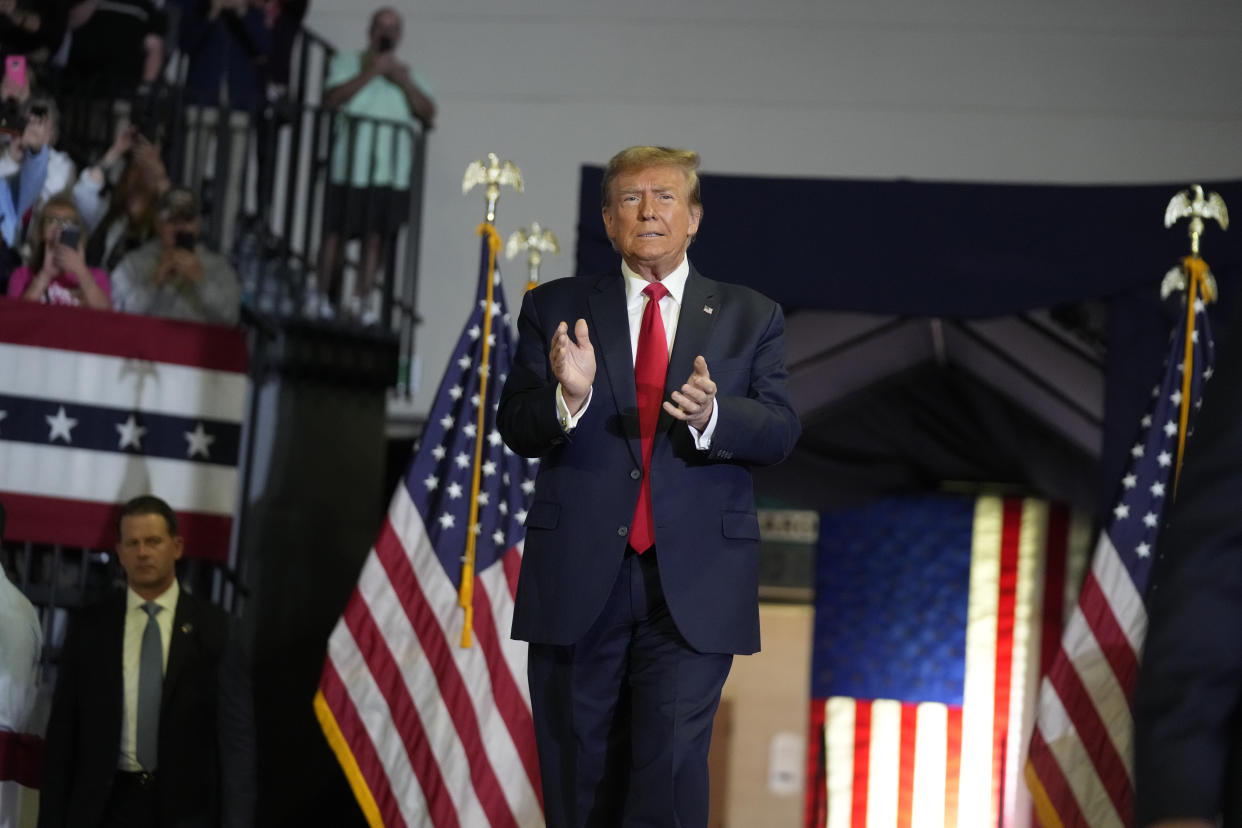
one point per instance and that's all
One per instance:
(209, 160)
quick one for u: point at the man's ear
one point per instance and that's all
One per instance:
(178, 547)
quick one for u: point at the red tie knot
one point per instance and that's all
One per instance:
(655, 291)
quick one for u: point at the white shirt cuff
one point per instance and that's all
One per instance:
(703, 440)
(570, 421)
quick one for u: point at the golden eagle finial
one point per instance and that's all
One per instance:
(493, 175)
(536, 240)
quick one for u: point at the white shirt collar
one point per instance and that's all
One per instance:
(167, 600)
(675, 282)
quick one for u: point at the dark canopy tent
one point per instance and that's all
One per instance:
(953, 252)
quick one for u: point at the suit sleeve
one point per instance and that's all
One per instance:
(527, 417)
(762, 427)
(236, 729)
(62, 734)
(1186, 703)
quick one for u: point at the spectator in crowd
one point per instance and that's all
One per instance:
(59, 177)
(174, 275)
(284, 21)
(57, 273)
(31, 28)
(152, 716)
(21, 642)
(227, 42)
(118, 45)
(123, 223)
(19, 192)
(368, 193)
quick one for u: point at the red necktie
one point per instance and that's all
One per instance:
(650, 369)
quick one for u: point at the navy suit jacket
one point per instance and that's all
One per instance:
(205, 704)
(706, 531)
(1188, 704)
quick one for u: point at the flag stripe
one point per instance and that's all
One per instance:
(124, 335)
(884, 763)
(90, 378)
(815, 806)
(41, 519)
(1054, 576)
(1007, 583)
(453, 689)
(1082, 713)
(841, 741)
(515, 712)
(99, 476)
(1042, 771)
(908, 754)
(404, 715)
(930, 759)
(512, 563)
(953, 765)
(862, 764)
(377, 798)
(1109, 635)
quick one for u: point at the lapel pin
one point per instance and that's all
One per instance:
(187, 628)
(707, 309)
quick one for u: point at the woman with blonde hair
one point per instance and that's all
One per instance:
(57, 273)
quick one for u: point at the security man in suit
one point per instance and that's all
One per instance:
(152, 719)
(639, 579)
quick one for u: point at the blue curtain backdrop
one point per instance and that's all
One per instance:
(956, 250)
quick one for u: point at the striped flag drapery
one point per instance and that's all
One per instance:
(929, 643)
(1080, 764)
(430, 732)
(98, 407)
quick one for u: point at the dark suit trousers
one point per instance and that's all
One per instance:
(623, 718)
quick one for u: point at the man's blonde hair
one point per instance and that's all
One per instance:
(641, 158)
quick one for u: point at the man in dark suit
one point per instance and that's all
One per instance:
(640, 575)
(1188, 731)
(127, 745)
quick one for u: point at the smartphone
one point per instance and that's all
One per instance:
(15, 70)
(69, 236)
(385, 44)
(185, 240)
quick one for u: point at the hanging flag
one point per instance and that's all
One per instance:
(1079, 768)
(98, 407)
(423, 700)
(929, 615)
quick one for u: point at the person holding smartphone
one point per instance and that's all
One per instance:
(368, 192)
(56, 272)
(173, 275)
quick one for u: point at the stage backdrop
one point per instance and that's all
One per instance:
(934, 619)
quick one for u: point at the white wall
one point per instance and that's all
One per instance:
(972, 90)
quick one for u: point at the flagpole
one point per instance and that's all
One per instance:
(1196, 279)
(493, 175)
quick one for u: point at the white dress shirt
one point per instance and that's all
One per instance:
(21, 639)
(670, 311)
(131, 655)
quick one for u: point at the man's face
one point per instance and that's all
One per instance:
(169, 227)
(649, 219)
(385, 31)
(148, 554)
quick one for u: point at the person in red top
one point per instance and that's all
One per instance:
(57, 273)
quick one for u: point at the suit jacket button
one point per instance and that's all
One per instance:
(635, 474)
(623, 530)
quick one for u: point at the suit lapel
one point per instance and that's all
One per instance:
(179, 648)
(610, 328)
(694, 326)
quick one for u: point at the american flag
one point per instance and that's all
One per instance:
(98, 407)
(929, 621)
(429, 732)
(1079, 766)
